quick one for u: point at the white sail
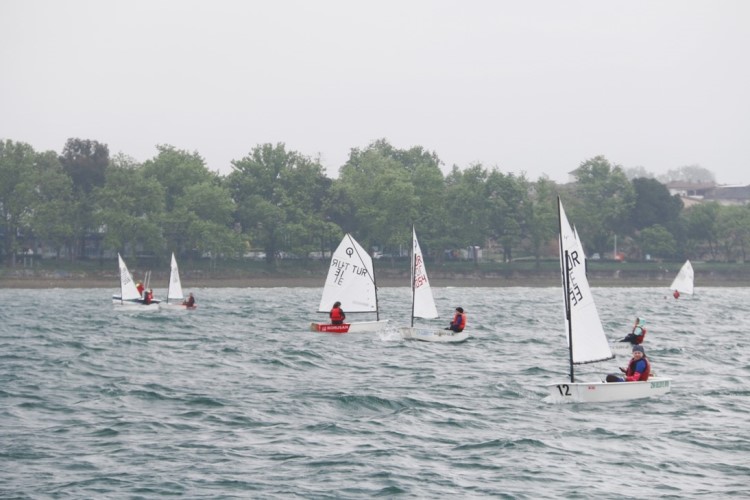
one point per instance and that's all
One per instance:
(350, 279)
(683, 282)
(424, 303)
(174, 292)
(127, 286)
(589, 343)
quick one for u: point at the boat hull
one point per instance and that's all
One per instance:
(432, 335)
(603, 392)
(134, 306)
(364, 326)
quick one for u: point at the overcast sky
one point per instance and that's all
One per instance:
(524, 86)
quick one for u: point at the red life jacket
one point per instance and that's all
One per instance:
(646, 371)
(337, 314)
(639, 338)
(459, 320)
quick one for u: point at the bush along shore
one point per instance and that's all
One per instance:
(389, 274)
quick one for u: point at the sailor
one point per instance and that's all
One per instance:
(638, 369)
(337, 314)
(459, 320)
(638, 334)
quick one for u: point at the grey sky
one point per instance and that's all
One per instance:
(527, 86)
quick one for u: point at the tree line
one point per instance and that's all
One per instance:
(83, 202)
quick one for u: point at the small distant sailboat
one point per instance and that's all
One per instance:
(683, 282)
(423, 303)
(587, 342)
(350, 281)
(175, 297)
(129, 296)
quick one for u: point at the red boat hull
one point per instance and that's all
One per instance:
(328, 328)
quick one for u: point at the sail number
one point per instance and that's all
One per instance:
(564, 389)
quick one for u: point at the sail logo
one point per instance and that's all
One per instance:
(420, 276)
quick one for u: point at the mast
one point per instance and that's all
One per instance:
(565, 269)
(413, 272)
(566, 289)
(169, 283)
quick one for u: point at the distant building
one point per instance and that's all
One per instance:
(694, 190)
(729, 195)
(692, 193)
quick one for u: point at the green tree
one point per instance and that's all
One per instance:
(733, 232)
(604, 201)
(657, 241)
(55, 205)
(18, 182)
(689, 173)
(654, 205)
(510, 210)
(279, 196)
(383, 195)
(467, 195)
(86, 163)
(543, 224)
(205, 211)
(130, 207)
(176, 170)
(702, 228)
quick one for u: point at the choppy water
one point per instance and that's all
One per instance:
(238, 400)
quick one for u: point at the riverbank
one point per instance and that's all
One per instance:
(622, 277)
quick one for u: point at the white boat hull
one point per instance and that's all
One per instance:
(603, 392)
(432, 335)
(135, 306)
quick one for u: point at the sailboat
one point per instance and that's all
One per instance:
(350, 281)
(175, 297)
(683, 282)
(129, 296)
(423, 303)
(587, 342)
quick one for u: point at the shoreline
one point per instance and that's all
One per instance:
(541, 281)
